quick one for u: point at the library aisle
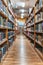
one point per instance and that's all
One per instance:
(22, 53)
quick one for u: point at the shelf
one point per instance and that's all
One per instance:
(31, 31)
(39, 10)
(3, 27)
(30, 25)
(10, 21)
(38, 32)
(3, 15)
(40, 21)
(11, 29)
(39, 53)
(39, 43)
(32, 17)
(11, 36)
(11, 12)
(3, 41)
(4, 3)
(27, 22)
(29, 36)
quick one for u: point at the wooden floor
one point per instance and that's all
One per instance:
(22, 53)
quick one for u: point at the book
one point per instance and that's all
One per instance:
(40, 3)
(10, 25)
(39, 27)
(41, 13)
(3, 51)
(2, 21)
(2, 36)
(10, 33)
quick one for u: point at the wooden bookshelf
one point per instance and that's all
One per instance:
(11, 36)
(6, 28)
(31, 31)
(2, 14)
(40, 21)
(39, 43)
(37, 11)
(28, 36)
(4, 3)
(37, 33)
(39, 53)
(10, 20)
(3, 28)
(3, 41)
(30, 25)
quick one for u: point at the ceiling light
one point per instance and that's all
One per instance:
(22, 10)
(22, 15)
(22, 4)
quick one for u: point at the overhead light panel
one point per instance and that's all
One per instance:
(22, 15)
(21, 4)
(22, 10)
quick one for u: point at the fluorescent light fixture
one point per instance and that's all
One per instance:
(22, 10)
(22, 4)
(22, 15)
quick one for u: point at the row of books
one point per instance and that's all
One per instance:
(5, 11)
(39, 16)
(2, 21)
(2, 36)
(32, 35)
(31, 22)
(39, 4)
(39, 38)
(3, 51)
(3, 8)
(10, 33)
(11, 41)
(10, 25)
(39, 27)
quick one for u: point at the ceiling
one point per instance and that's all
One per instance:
(21, 8)
(28, 3)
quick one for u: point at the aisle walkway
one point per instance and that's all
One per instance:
(21, 53)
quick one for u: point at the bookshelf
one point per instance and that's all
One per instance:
(34, 27)
(7, 29)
